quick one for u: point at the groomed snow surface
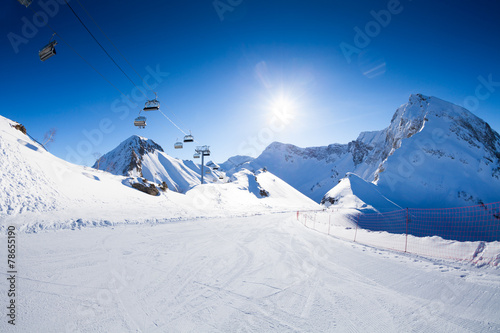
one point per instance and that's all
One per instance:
(248, 274)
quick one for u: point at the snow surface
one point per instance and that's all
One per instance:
(264, 273)
(352, 192)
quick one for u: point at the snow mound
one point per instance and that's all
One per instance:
(354, 193)
(24, 186)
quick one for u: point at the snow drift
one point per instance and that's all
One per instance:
(352, 192)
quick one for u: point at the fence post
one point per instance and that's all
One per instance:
(406, 241)
(356, 231)
(329, 216)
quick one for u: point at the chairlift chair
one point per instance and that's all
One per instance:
(215, 167)
(189, 138)
(196, 155)
(25, 2)
(48, 51)
(178, 145)
(206, 153)
(152, 105)
(140, 122)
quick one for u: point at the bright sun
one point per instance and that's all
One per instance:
(282, 111)
(282, 104)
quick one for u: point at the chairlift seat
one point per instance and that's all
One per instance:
(188, 138)
(151, 108)
(25, 2)
(152, 105)
(197, 155)
(140, 122)
(178, 145)
(48, 51)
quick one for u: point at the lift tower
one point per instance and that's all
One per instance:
(203, 151)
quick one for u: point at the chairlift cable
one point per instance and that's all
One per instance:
(173, 123)
(185, 134)
(85, 60)
(179, 119)
(102, 47)
(116, 48)
(144, 81)
(102, 75)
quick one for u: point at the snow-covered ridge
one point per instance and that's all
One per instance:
(126, 159)
(39, 191)
(141, 157)
(423, 133)
(352, 192)
(234, 163)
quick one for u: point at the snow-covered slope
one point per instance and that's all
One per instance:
(253, 274)
(141, 157)
(442, 155)
(235, 163)
(352, 192)
(433, 154)
(252, 192)
(40, 191)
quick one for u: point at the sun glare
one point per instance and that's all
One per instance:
(282, 110)
(283, 105)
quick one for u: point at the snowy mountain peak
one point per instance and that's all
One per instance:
(430, 146)
(444, 116)
(140, 144)
(235, 162)
(126, 159)
(141, 157)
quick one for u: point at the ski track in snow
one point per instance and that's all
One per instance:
(246, 274)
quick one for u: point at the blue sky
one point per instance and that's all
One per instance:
(243, 73)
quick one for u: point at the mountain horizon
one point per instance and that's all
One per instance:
(423, 131)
